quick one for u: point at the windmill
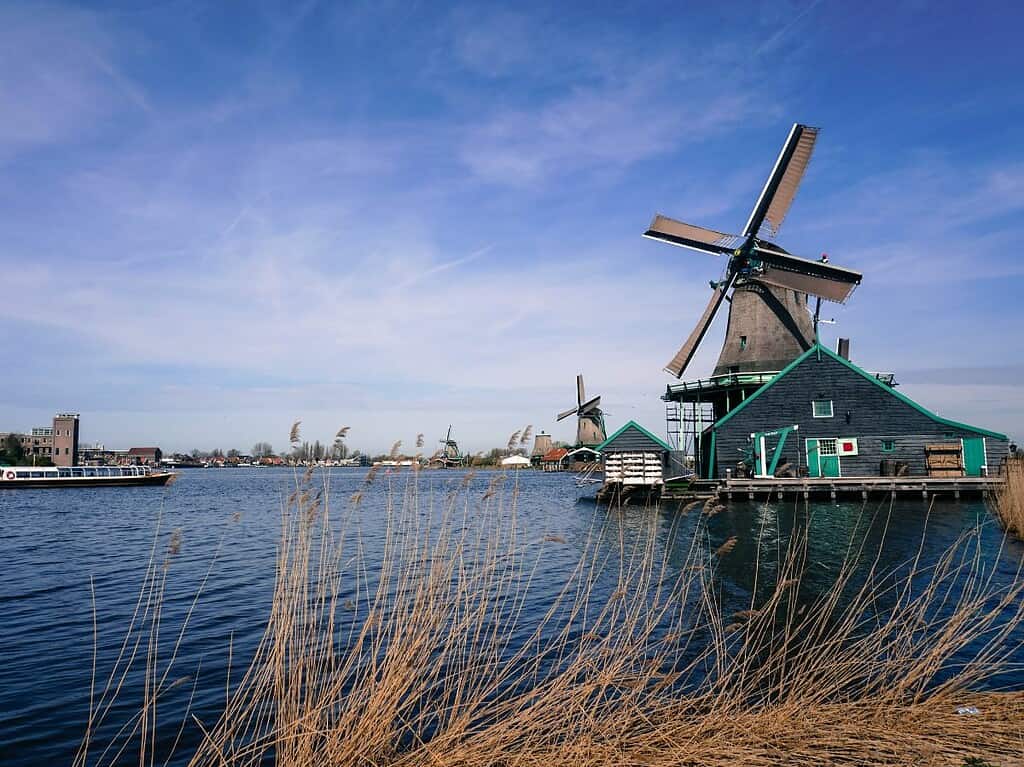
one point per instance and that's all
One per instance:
(541, 445)
(590, 424)
(769, 325)
(449, 454)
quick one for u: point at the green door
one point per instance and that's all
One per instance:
(822, 459)
(974, 456)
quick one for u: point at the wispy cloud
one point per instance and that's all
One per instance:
(612, 125)
(426, 216)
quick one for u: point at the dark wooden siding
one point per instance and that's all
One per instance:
(632, 440)
(861, 409)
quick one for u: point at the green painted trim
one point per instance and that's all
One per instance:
(600, 448)
(764, 388)
(711, 457)
(778, 450)
(818, 349)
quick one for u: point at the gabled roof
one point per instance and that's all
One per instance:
(818, 348)
(632, 425)
(583, 449)
(554, 454)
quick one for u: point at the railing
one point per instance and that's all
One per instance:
(729, 380)
(722, 381)
(74, 472)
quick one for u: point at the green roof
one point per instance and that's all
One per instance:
(639, 428)
(816, 348)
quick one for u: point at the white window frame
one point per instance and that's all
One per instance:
(831, 409)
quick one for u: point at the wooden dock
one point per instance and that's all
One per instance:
(855, 487)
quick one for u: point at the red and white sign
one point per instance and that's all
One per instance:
(846, 446)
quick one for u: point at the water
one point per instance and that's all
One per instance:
(57, 546)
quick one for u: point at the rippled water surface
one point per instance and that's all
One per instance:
(59, 546)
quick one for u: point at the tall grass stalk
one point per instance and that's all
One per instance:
(425, 654)
(1009, 499)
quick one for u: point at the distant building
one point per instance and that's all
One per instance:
(144, 456)
(57, 443)
(552, 459)
(65, 439)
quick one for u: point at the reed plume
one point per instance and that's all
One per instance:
(726, 547)
(527, 433)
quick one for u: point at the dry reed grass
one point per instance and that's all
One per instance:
(1009, 499)
(432, 660)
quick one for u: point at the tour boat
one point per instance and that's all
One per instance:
(81, 476)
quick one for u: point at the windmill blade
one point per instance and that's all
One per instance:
(566, 414)
(833, 283)
(580, 396)
(675, 232)
(780, 189)
(686, 351)
(590, 406)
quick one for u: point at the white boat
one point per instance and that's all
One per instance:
(81, 476)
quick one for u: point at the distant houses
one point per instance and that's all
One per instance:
(552, 459)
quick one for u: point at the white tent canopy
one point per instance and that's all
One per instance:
(515, 460)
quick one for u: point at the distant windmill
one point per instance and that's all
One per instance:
(769, 325)
(449, 454)
(541, 445)
(590, 423)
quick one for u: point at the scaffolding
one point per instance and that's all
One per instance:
(685, 422)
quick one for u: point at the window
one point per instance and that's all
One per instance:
(821, 408)
(827, 447)
(888, 445)
(743, 343)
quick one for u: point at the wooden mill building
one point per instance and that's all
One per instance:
(823, 416)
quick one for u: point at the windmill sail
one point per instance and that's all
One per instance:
(833, 283)
(566, 414)
(686, 352)
(685, 235)
(780, 189)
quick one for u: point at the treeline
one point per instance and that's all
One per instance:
(306, 451)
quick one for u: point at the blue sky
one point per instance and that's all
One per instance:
(222, 217)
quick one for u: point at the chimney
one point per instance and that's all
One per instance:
(843, 348)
